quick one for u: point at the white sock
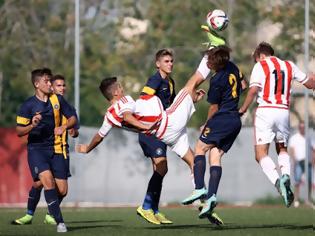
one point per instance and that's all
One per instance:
(284, 163)
(269, 168)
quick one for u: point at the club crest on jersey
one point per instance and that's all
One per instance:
(206, 131)
(159, 151)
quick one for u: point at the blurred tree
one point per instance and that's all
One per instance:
(121, 37)
(32, 35)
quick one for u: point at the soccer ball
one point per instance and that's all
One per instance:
(217, 20)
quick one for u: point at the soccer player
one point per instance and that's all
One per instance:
(221, 129)
(163, 86)
(58, 87)
(40, 118)
(147, 115)
(270, 81)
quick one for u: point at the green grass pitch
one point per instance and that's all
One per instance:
(265, 221)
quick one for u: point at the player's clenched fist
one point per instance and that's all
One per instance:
(36, 119)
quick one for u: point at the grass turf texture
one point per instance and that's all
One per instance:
(269, 220)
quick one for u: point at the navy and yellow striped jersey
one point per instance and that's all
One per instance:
(163, 88)
(42, 136)
(225, 88)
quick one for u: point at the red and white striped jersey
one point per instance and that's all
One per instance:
(274, 76)
(114, 114)
(148, 109)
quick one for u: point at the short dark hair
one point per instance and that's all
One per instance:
(38, 73)
(57, 77)
(163, 52)
(263, 48)
(46, 71)
(106, 87)
(218, 57)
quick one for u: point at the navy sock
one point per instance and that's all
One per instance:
(33, 199)
(53, 204)
(199, 171)
(60, 198)
(152, 198)
(214, 180)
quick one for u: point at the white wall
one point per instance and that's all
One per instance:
(116, 172)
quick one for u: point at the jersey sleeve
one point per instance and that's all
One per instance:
(298, 75)
(203, 68)
(77, 124)
(105, 128)
(257, 76)
(151, 86)
(214, 93)
(66, 109)
(127, 104)
(24, 115)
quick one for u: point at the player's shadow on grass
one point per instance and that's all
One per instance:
(233, 227)
(74, 228)
(93, 221)
(264, 226)
(158, 227)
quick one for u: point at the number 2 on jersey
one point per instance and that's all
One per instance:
(233, 83)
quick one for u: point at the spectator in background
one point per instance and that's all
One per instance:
(297, 152)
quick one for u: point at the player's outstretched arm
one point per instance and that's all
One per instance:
(252, 93)
(310, 83)
(86, 148)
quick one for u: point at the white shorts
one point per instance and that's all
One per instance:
(271, 124)
(178, 115)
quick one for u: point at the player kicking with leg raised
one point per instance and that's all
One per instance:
(169, 125)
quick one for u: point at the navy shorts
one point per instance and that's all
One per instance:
(40, 160)
(151, 146)
(68, 164)
(222, 130)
